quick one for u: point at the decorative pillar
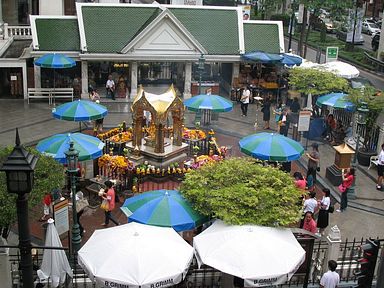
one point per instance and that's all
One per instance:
(37, 74)
(188, 80)
(334, 241)
(137, 131)
(177, 129)
(25, 84)
(84, 80)
(235, 71)
(159, 138)
(133, 68)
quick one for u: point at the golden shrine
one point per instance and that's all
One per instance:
(154, 145)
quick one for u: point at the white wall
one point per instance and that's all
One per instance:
(109, 1)
(51, 7)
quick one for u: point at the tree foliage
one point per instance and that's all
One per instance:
(242, 191)
(315, 81)
(374, 100)
(49, 175)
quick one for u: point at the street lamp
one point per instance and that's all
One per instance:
(19, 169)
(200, 69)
(362, 113)
(72, 156)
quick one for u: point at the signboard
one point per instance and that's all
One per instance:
(246, 11)
(61, 216)
(187, 2)
(301, 14)
(351, 23)
(332, 54)
(304, 120)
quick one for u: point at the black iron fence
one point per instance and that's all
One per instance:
(308, 274)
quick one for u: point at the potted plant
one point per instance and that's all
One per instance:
(371, 103)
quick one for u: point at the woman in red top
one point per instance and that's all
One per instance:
(309, 223)
(110, 197)
(348, 179)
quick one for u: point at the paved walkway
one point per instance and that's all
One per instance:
(362, 219)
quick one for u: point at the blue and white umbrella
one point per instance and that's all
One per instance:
(214, 103)
(89, 147)
(290, 59)
(335, 100)
(262, 57)
(271, 147)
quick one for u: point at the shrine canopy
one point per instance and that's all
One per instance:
(158, 104)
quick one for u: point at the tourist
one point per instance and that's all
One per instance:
(338, 134)
(380, 168)
(299, 180)
(94, 96)
(110, 86)
(348, 179)
(81, 204)
(277, 111)
(310, 185)
(330, 279)
(330, 126)
(309, 222)
(110, 197)
(266, 110)
(295, 109)
(310, 205)
(284, 122)
(323, 204)
(47, 202)
(314, 160)
(245, 101)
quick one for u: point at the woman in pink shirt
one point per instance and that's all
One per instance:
(348, 179)
(309, 223)
(110, 197)
(299, 180)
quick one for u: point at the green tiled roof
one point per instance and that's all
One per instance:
(109, 29)
(216, 30)
(264, 37)
(58, 34)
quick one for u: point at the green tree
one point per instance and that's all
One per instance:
(242, 191)
(49, 175)
(316, 82)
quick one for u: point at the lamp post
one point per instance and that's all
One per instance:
(72, 156)
(201, 68)
(19, 169)
(362, 113)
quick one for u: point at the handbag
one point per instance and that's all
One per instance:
(81, 204)
(331, 209)
(318, 168)
(342, 189)
(105, 205)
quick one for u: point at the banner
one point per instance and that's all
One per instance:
(246, 11)
(351, 23)
(267, 281)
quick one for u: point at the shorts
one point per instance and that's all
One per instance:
(380, 170)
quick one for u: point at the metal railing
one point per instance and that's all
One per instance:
(376, 64)
(205, 276)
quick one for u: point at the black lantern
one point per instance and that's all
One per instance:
(362, 113)
(19, 168)
(72, 156)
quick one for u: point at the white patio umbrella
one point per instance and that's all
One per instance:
(262, 256)
(55, 264)
(341, 69)
(136, 255)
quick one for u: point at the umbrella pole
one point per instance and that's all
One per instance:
(80, 126)
(54, 85)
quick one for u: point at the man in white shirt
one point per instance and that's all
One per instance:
(380, 168)
(330, 278)
(245, 101)
(110, 88)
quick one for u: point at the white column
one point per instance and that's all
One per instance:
(235, 71)
(380, 50)
(187, 80)
(25, 84)
(334, 241)
(37, 74)
(133, 79)
(84, 79)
